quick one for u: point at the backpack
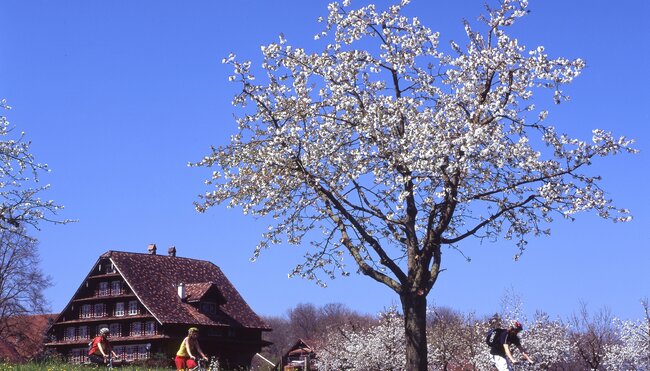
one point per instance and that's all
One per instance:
(492, 337)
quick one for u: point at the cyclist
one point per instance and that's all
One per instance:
(501, 354)
(187, 353)
(100, 349)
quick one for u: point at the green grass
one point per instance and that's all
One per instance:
(57, 366)
(60, 366)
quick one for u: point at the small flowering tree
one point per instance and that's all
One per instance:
(445, 333)
(479, 352)
(632, 352)
(592, 336)
(20, 204)
(378, 347)
(395, 148)
(548, 342)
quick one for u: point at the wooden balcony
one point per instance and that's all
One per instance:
(96, 297)
(106, 318)
(115, 340)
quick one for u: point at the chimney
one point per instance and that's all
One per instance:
(171, 251)
(152, 249)
(181, 291)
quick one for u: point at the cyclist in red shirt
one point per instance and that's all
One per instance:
(101, 350)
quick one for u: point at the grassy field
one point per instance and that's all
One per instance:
(67, 367)
(58, 366)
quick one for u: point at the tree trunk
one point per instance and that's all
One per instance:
(414, 307)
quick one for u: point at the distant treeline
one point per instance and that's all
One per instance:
(346, 339)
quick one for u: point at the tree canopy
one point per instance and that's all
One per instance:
(20, 191)
(393, 146)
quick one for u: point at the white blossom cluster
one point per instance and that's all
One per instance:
(379, 347)
(632, 352)
(454, 343)
(393, 147)
(20, 202)
(548, 341)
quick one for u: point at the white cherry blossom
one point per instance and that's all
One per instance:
(20, 190)
(394, 149)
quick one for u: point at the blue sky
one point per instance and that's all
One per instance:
(118, 96)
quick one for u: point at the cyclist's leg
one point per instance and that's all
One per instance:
(501, 363)
(93, 358)
(194, 365)
(191, 364)
(180, 363)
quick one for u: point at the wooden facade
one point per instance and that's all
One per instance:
(149, 301)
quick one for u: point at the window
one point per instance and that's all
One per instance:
(131, 352)
(86, 311)
(150, 328)
(103, 289)
(116, 329)
(116, 288)
(209, 308)
(83, 332)
(119, 309)
(133, 307)
(70, 333)
(100, 310)
(136, 329)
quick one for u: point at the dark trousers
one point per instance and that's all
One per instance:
(94, 358)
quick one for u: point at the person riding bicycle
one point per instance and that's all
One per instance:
(186, 355)
(501, 354)
(101, 349)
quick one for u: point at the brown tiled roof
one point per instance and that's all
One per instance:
(155, 278)
(196, 291)
(25, 335)
(300, 347)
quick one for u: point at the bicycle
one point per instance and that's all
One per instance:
(108, 362)
(111, 362)
(207, 365)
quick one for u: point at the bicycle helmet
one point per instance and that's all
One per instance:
(104, 331)
(192, 329)
(517, 326)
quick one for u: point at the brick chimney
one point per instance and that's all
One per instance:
(151, 249)
(171, 251)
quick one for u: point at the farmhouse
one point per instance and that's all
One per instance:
(149, 301)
